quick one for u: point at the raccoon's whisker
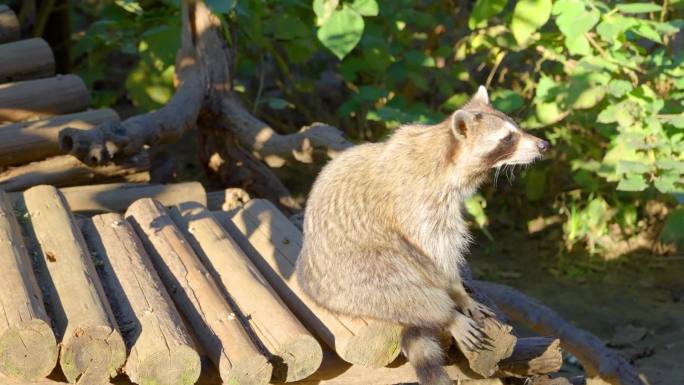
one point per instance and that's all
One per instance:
(496, 176)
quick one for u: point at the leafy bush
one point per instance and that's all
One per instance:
(601, 79)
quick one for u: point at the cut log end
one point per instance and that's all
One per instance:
(253, 371)
(181, 366)
(28, 350)
(375, 345)
(297, 359)
(92, 355)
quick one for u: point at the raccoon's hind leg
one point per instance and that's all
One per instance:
(423, 351)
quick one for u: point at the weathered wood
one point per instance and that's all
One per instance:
(92, 349)
(198, 297)
(228, 199)
(273, 244)
(597, 360)
(66, 170)
(102, 143)
(273, 148)
(501, 342)
(26, 59)
(532, 356)
(9, 25)
(29, 99)
(26, 142)
(296, 353)
(28, 349)
(161, 349)
(118, 196)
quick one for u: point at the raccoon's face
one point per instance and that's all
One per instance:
(488, 138)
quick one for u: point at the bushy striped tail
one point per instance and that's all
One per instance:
(425, 354)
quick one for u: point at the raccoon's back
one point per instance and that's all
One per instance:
(341, 214)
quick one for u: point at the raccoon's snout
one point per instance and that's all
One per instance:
(543, 145)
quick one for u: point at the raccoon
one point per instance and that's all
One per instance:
(385, 235)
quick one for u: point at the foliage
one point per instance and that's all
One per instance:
(600, 79)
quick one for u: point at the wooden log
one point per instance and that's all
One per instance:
(118, 196)
(26, 142)
(598, 361)
(26, 59)
(29, 99)
(198, 297)
(532, 356)
(295, 352)
(28, 349)
(66, 170)
(273, 244)
(92, 349)
(141, 306)
(9, 25)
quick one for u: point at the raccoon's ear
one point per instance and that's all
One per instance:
(461, 122)
(481, 95)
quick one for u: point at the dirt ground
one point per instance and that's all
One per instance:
(634, 303)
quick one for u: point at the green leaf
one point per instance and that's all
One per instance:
(630, 167)
(483, 10)
(419, 59)
(619, 88)
(221, 6)
(577, 20)
(639, 8)
(130, 6)
(287, 27)
(342, 31)
(632, 182)
(672, 231)
(277, 103)
(323, 10)
(365, 7)
(610, 28)
(578, 45)
(528, 16)
(455, 101)
(647, 31)
(667, 182)
(670, 164)
(507, 100)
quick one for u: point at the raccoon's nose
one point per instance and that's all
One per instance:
(543, 145)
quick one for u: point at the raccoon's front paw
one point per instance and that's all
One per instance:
(468, 333)
(475, 310)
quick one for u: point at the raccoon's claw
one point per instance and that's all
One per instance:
(468, 334)
(478, 312)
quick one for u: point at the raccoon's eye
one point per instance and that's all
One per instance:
(508, 138)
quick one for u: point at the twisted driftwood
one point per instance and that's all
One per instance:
(595, 357)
